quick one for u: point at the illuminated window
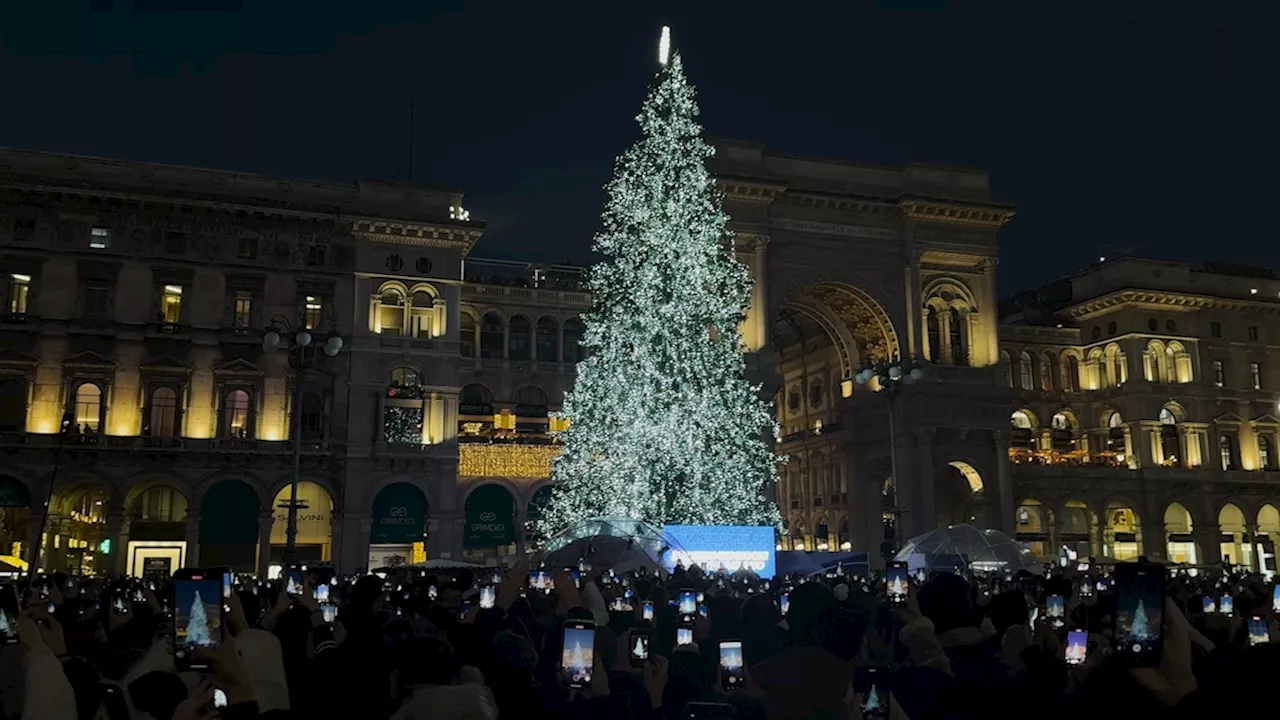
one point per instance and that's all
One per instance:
(164, 413)
(19, 290)
(235, 413)
(1255, 371)
(171, 304)
(1025, 372)
(391, 312)
(243, 311)
(88, 412)
(313, 308)
(1219, 373)
(99, 238)
(1228, 450)
(1264, 453)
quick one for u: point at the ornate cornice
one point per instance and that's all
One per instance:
(750, 192)
(840, 203)
(462, 237)
(1162, 300)
(951, 212)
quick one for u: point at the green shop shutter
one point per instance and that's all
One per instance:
(399, 515)
(490, 518)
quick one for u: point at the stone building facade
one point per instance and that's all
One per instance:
(1145, 419)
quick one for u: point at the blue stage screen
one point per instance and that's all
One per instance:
(711, 547)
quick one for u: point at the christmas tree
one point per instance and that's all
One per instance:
(640, 650)
(664, 427)
(197, 623)
(1138, 625)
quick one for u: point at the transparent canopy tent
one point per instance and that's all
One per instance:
(607, 542)
(965, 547)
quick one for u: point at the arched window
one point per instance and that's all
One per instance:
(405, 377)
(1117, 371)
(1170, 446)
(1021, 420)
(88, 412)
(1046, 372)
(1115, 420)
(934, 325)
(1227, 448)
(13, 405)
(1060, 421)
(391, 312)
(531, 402)
(467, 334)
(1071, 374)
(491, 336)
(235, 415)
(163, 417)
(1264, 453)
(518, 338)
(1167, 417)
(1006, 365)
(548, 340)
(959, 353)
(475, 400)
(1028, 381)
(573, 341)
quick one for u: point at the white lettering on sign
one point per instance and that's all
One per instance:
(488, 527)
(488, 516)
(304, 517)
(834, 229)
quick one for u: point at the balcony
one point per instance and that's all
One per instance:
(163, 445)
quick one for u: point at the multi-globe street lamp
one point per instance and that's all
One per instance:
(890, 377)
(302, 354)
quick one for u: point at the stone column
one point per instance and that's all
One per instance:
(1004, 483)
(989, 312)
(375, 317)
(970, 333)
(944, 338)
(193, 537)
(265, 521)
(929, 352)
(914, 301)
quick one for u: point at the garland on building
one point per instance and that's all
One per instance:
(665, 427)
(402, 425)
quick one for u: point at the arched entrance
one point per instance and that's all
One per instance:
(229, 532)
(315, 524)
(398, 526)
(1121, 539)
(1179, 535)
(157, 532)
(15, 526)
(490, 523)
(1031, 528)
(959, 496)
(1268, 532)
(1075, 530)
(76, 530)
(1234, 544)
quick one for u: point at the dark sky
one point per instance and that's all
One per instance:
(1152, 127)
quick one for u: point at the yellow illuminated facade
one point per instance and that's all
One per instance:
(506, 460)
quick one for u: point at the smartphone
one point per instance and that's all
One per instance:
(688, 603)
(1086, 589)
(732, 673)
(896, 584)
(702, 610)
(647, 611)
(784, 602)
(709, 711)
(464, 609)
(488, 594)
(541, 580)
(227, 581)
(1082, 567)
(8, 613)
(321, 593)
(219, 698)
(1275, 599)
(1209, 605)
(198, 616)
(1077, 647)
(432, 592)
(870, 684)
(1055, 610)
(639, 650)
(1140, 589)
(293, 580)
(1227, 605)
(684, 636)
(115, 700)
(1258, 631)
(577, 652)
(329, 611)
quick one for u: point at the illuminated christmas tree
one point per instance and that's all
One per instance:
(664, 426)
(1138, 625)
(640, 651)
(197, 623)
(873, 700)
(4, 623)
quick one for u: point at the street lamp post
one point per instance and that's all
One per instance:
(302, 351)
(65, 429)
(891, 377)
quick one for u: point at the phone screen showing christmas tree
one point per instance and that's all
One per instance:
(197, 616)
(869, 685)
(577, 653)
(1139, 613)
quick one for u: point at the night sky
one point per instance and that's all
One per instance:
(1152, 128)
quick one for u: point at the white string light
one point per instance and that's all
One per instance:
(664, 46)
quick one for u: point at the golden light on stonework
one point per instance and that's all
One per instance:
(512, 461)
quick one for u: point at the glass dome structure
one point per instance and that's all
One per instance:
(607, 542)
(965, 547)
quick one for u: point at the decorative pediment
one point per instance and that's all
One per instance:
(1228, 419)
(88, 359)
(1266, 419)
(238, 366)
(164, 364)
(13, 357)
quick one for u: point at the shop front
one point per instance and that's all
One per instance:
(489, 532)
(397, 530)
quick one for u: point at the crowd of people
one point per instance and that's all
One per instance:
(477, 644)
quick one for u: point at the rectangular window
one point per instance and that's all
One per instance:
(243, 313)
(1219, 373)
(1255, 370)
(19, 290)
(1253, 332)
(1215, 329)
(315, 254)
(24, 229)
(97, 298)
(100, 238)
(171, 304)
(313, 310)
(248, 249)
